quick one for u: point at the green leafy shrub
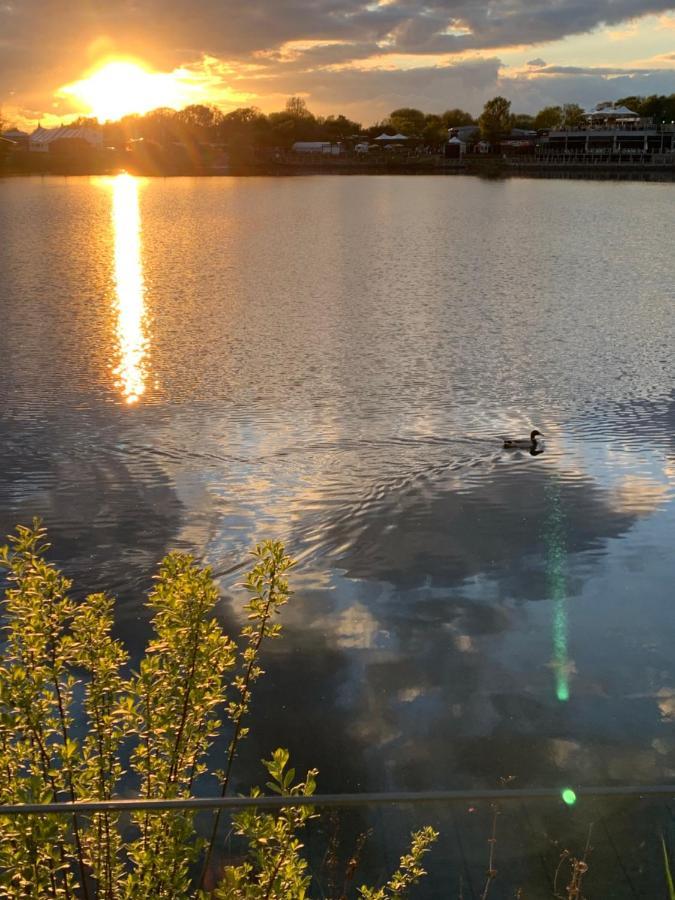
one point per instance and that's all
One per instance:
(69, 715)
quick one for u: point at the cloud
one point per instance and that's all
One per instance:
(595, 70)
(368, 94)
(586, 88)
(494, 25)
(372, 93)
(294, 44)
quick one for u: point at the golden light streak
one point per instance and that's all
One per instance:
(130, 289)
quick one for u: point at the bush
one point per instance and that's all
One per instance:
(69, 716)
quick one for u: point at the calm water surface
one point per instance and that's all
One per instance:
(204, 363)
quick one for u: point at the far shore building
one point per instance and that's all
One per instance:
(17, 137)
(520, 142)
(321, 148)
(613, 134)
(454, 149)
(43, 140)
(6, 147)
(467, 134)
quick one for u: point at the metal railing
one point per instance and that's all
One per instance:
(665, 791)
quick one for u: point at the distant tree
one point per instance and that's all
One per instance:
(131, 124)
(496, 119)
(244, 115)
(660, 108)
(4, 146)
(637, 104)
(296, 106)
(294, 123)
(198, 122)
(377, 128)
(523, 121)
(548, 117)
(434, 132)
(455, 118)
(161, 125)
(408, 121)
(288, 127)
(84, 122)
(666, 111)
(243, 130)
(572, 115)
(649, 107)
(113, 134)
(337, 128)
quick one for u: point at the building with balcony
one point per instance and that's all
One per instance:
(613, 134)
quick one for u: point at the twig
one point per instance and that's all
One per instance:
(492, 840)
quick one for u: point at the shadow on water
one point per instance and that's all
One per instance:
(110, 518)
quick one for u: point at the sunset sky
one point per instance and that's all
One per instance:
(359, 57)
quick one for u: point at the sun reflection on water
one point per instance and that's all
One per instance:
(132, 340)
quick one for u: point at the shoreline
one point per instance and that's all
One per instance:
(488, 168)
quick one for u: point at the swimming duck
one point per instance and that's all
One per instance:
(523, 443)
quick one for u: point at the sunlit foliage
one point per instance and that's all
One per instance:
(75, 725)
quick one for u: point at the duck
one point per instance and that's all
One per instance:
(523, 443)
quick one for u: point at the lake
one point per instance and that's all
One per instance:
(204, 363)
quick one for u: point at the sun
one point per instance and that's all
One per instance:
(120, 87)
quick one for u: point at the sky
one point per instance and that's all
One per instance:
(362, 58)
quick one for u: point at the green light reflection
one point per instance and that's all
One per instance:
(569, 797)
(556, 570)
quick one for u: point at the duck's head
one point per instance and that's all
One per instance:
(534, 435)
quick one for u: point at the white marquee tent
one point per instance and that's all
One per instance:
(391, 137)
(611, 112)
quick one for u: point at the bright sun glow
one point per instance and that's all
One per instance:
(121, 87)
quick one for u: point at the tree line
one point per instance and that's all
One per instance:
(248, 128)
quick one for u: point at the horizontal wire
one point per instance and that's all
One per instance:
(365, 799)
